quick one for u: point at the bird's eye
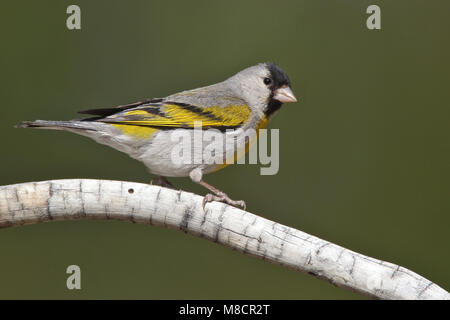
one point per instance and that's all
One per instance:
(267, 81)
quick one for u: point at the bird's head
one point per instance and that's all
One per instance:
(265, 86)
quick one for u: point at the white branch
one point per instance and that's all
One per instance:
(34, 202)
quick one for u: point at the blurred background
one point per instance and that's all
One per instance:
(364, 154)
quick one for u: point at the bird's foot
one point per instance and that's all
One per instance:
(222, 197)
(162, 182)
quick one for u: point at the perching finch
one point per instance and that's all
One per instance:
(145, 130)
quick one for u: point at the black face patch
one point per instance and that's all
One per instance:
(272, 107)
(278, 76)
(279, 79)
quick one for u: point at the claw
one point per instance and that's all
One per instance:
(222, 197)
(162, 182)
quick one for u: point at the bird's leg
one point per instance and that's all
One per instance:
(219, 196)
(163, 182)
(196, 175)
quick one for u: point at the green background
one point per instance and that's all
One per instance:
(364, 154)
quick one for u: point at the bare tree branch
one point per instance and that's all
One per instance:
(34, 202)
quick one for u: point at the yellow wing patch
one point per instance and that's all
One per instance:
(138, 132)
(233, 115)
(142, 123)
(230, 116)
(184, 116)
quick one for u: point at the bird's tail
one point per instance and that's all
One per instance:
(72, 125)
(103, 133)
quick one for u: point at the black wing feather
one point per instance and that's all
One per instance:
(105, 112)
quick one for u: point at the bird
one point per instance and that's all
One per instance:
(234, 108)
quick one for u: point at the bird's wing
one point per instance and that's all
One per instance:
(168, 114)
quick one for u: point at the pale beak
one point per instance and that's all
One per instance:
(284, 95)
